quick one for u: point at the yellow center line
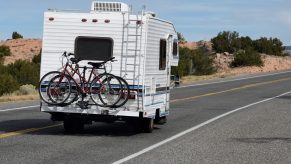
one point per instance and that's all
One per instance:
(230, 90)
(20, 132)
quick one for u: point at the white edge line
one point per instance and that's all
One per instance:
(192, 129)
(12, 109)
(245, 78)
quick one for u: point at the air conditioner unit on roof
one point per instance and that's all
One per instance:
(109, 6)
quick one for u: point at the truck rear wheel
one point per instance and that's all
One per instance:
(161, 120)
(73, 125)
(148, 125)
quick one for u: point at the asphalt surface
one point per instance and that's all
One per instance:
(256, 134)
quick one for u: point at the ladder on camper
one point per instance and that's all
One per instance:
(131, 51)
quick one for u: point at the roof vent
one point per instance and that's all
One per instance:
(109, 6)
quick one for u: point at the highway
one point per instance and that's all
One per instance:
(241, 120)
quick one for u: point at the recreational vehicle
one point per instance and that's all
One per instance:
(144, 46)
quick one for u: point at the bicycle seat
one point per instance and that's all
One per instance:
(96, 64)
(99, 64)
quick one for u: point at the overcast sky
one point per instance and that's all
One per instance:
(195, 19)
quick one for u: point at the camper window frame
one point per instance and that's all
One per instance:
(110, 52)
(175, 47)
(163, 54)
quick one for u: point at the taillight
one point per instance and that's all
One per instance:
(131, 95)
(107, 21)
(51, 19)
(84, 20)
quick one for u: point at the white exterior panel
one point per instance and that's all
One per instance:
(60, 33)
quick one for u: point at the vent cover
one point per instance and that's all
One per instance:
(109, 6)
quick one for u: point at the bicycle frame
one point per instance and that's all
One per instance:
(86, 82)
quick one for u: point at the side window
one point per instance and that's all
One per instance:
(175, 47)
(163, 53)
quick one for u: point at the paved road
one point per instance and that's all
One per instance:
(258, 133)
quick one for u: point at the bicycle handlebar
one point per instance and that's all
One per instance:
(67, 55)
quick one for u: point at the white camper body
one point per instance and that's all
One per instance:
(144, 46)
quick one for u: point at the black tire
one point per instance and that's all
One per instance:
(161, 120)
(43, 86)
(124, 93)
(59, 90)
(105, 90)
(148, 125)
(73, 125)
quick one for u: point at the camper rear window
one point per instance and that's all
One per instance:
(163, 49)
(93, 48)
(175, 47)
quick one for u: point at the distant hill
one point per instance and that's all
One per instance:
(24, 49)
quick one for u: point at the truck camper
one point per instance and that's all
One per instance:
(144, 47)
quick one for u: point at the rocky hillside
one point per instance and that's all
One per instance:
(271, 63)
(195, 45)
(23, 49)
(223, 60)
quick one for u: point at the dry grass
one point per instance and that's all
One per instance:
(193, 78)
(19, 98)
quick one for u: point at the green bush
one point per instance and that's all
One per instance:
(271, 46)
(226, 41)
(25, 72)
(247, 57)
(202, 63)
(4, 51)
(196, 62)
(16, 35)
(7, 84)
(36, 59)
(183, 67)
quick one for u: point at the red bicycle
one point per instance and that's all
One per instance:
(63, 88)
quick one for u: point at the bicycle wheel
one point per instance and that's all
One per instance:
(124, 92)
(43, 85)
(59, 90)
(105, 90)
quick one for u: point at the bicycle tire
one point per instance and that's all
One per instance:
(102, 87)
(59, 90)
(125, 92)
(43, 84)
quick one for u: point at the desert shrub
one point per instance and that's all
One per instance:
(7, 84)
(184, 64)
(27, 89)
(25, 72)
(246, 42)
(226, 41)
(4, 51)
(36, 58)
(202, 63)
(247, 57)
(271, 46)
(196, 62)
(16, 35)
